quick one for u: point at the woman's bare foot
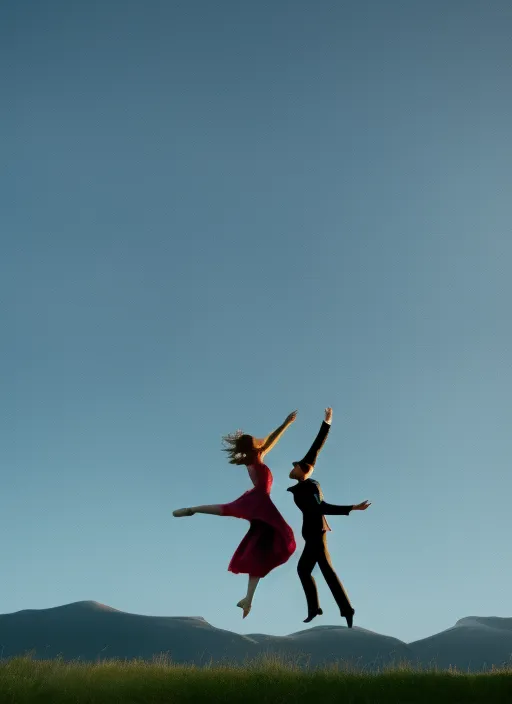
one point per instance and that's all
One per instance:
(246, 605)
(182, 512)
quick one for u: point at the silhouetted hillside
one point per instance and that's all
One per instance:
(88, 631)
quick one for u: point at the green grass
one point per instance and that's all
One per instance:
(24, 680)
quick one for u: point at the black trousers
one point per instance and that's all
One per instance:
(316, 552)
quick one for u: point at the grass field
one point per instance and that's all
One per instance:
(24, 680)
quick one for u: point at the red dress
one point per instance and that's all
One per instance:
(269, 541)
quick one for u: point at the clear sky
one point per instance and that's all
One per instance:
(213, 213)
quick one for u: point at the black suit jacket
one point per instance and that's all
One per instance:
(309, 498)
(311, 455)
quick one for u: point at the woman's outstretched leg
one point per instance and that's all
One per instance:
(246, 602)
(211, 509)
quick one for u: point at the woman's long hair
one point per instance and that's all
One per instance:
(240, 447)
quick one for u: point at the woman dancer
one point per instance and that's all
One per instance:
(269, 542)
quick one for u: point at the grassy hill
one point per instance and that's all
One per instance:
(27, 681)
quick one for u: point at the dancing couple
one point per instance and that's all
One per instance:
(270, 542)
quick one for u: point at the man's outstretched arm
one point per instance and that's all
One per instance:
(334, 510)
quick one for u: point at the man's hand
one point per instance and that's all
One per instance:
(328, 415)
(362, 506)
(291, 417)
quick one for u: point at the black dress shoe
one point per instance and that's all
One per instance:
(350, 618)
(310, 617)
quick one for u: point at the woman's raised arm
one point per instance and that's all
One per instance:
(273, 438)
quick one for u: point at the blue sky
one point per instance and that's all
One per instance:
(212, 214)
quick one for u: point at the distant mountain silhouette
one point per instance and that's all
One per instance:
(474, 643)
(322, 645)
(90, 631)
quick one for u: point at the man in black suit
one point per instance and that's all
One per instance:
(308, 496)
